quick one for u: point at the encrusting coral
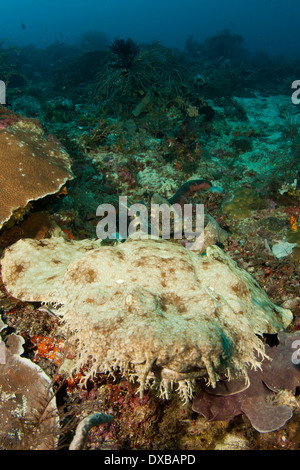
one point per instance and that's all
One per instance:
(150, 309)
(32, 165)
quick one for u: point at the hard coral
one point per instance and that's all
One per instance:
(244, 201)
(255, 402)
(31, 165)
(150, 309)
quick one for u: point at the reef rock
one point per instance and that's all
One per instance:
(32, 165)
(150, 309)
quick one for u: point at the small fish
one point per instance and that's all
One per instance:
(23, 25)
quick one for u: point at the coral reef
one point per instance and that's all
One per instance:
(148, 126)
(212, 234)
(243, 201)
(150, 309)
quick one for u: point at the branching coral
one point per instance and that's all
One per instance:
(155, 73)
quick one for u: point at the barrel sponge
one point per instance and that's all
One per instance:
(160, 313)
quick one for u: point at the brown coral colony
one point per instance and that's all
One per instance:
(31, 166)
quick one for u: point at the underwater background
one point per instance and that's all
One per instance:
(164, 102)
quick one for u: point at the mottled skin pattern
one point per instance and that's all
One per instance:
(187, 189)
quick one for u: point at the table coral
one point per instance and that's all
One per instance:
(32, 165)
(151, 309)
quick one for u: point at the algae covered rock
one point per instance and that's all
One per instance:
(152, 309)
(243, 201)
